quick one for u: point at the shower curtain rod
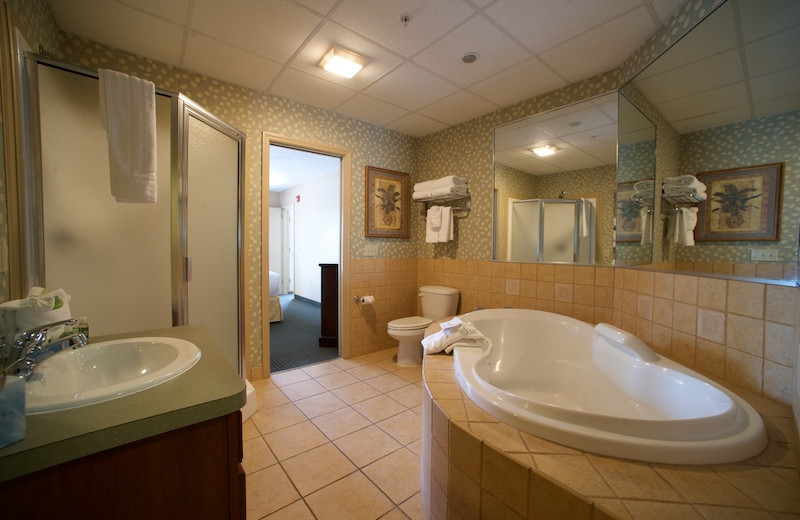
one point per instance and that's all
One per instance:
(75, 69)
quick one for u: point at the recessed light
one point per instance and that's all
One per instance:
(342, 62)
(470, 57)
(544, 151)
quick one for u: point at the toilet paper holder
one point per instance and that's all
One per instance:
(366, 299)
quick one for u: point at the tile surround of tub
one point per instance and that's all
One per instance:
(476, 467)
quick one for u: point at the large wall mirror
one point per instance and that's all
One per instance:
(726, 99)
(558, 206)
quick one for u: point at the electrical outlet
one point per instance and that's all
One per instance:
(371, 250)
(764, 255)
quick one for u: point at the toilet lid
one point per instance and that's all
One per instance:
(410, 323)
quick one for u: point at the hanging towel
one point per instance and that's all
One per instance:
(681, 228)
(446, 231)
(128, 108)
(433, 223)
(451, 181)
(647, 223)
(586, 208)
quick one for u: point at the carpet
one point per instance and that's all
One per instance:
(294, 342)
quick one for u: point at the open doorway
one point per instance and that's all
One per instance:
(304, 234)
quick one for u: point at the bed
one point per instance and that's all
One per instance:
(275, 311)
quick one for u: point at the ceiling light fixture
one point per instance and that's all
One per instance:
(342, 62)
(544, 151)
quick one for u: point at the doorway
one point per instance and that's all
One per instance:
(305, 195)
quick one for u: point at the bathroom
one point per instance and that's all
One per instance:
(631, 297)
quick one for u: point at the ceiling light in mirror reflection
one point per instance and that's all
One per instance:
(342, 62)
(545, 151)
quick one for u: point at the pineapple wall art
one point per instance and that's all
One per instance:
(386, 197)
(742, 204)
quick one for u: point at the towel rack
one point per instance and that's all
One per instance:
(683, 199)
(466, 207)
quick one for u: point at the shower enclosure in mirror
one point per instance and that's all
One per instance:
(577, 182)
(727, 96)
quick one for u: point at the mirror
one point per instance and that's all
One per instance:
(557, 208)
(726, 97)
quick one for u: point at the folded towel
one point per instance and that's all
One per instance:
(456, 333)
(440, 193)
(39, 308)
(445, 182)
(433, 224)
(685, 191)
(644, 186)
(686, 181)
(128, 107)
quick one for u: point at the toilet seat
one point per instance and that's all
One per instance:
(410, 323)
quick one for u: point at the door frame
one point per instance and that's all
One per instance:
(345, 155)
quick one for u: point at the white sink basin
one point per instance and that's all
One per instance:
(104, 371)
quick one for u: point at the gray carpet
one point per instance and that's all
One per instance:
(294, 342)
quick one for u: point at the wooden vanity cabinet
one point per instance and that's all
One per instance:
(194, 472)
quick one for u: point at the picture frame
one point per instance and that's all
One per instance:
(742, 204)
(628, 217)
(386, 199)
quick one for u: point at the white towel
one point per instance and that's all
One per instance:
(128, 107)
(644, 186)
(586, 208)
(685, 181)
(456, 333)
(39, 308)
(433, 224)
(685, 191)
(446, 231)
(450, 181)
(442, 193)
(647, 223)
(681, 228)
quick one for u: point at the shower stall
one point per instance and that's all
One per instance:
(551, 230)
(131, 267)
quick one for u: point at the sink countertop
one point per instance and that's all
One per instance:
(209, 389)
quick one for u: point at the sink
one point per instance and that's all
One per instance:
(104, 371)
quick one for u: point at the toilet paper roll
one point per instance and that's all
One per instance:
(367, 300)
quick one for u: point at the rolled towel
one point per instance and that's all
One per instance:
(440, 193)
(646, 185)
(445, 182)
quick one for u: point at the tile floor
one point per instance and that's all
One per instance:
(339, 439)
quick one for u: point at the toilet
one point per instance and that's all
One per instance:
(437, 302)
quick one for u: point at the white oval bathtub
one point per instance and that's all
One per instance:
(605, 392)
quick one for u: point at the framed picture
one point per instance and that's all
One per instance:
(629, 218)
(742, 204)
(386, 198)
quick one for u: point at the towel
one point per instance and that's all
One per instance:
(685, 191)
(442, 193)
(128, 106)
(39, 308)
(644, 186)
(586, 208)
(685, 181)
(681, 228)
(446, 231)
(456, 333)
(451, 181)
(647, 224)
(433, 224)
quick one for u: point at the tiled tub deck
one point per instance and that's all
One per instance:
(474, 466)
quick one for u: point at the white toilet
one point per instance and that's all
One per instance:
(437, 302)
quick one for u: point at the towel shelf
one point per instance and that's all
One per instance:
(467, 206)
(683, 199)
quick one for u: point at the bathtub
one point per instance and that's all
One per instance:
(601, 390)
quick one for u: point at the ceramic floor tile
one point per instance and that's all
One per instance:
(257, 455)
(366, 371)
(268, 490)
(336, 380)
(367, 445)
(317, 468)
(410, 374)
(390, 365)
(413, 507)
(303, 389)
(396, 474)
(320, 369)
(379, 408)
(319, 404)
(405, 427)
(386, 382)
(356, 392)
(288, 377)
(347, 364)
(340, 422)
(295, 439)
(294, 511)
(408, 395)
(271, 419)
(271, 397)
(249, 430)
(394, 514)
(353, 498)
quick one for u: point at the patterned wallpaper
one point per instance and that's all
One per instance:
(761, 141)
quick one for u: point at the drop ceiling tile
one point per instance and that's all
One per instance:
(380, 61)
(174, 11)
(706, 102)
(322, 7)
(518, 83)
(666, 8)
(776, 106)
(410, 87)
(458, 108)
(380, 21)
(545, 24)
(221, 61)
(311, 90)
(120, 26)
(727, 117)
(496, 52)
(274, 29)
(758, 22)
(582, 57)
(780, 84)
(371, 110)
(415, 125)
(762, 57)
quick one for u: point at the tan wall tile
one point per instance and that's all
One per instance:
(746, 298)
(685, 289)
(506, 479)
(712, 293)
(711, 325)
(745, 334)
(744, 370)
(780, 304)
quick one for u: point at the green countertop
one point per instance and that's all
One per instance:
(210, 389)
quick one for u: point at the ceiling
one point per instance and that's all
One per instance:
(415, 81)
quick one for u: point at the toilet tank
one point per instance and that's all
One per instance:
(438, 301)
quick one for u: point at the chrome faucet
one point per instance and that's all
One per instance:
(32, 348)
